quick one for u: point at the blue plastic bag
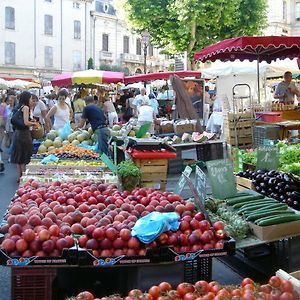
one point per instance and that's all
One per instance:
(49, 158)
(65, 131)
(93, 148)
(148, 228)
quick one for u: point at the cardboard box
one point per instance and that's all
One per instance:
(276, 232)
(182, 128)
(293, 277)
(167, 127)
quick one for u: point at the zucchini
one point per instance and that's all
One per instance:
(285, 213)
(239, 205)
(240, 194)
(255, 205)
(277, 206)
(255, 216)
(243, 199)
(259, 202)
(279, 219)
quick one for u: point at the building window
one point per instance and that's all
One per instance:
(76, 5)
(297, 11)
(76, 60)
(126, 44)
(284, 10)
(104, 42)
(9, 17)
(138, 47)
(150, 50)
(48, 25)
(77, 30)
(48, 56)
(10, 53)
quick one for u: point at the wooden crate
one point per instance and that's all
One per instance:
(240, 140)
(154, 172)
(244, 183)
(241, 132)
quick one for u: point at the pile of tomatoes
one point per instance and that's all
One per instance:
(275, 289)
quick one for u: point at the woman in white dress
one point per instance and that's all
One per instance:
(61, 111)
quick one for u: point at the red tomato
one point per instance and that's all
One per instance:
(209, 296)
(135, 293)
(265, 288)
(247, 281)
(248, 296)
(286, 286)
(223, 294)
(286, 296)
(215, 288)
(202, 286)
(236, 292)
(189, 296)
(173, 295)
(154, 291)
(184, 288)
(85, 296)
(165, 286)
(275, 282)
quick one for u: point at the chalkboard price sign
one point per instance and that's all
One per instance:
(200, 183)
(267, 158)
(182, 181)
(222, 179)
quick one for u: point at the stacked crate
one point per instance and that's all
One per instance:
(154, 172)
(238, 129)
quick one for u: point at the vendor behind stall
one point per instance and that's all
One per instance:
(94, 114)
(286, 89)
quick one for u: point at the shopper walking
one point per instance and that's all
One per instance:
(110, 110)
(22, 142)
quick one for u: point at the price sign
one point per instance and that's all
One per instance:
(182, 181)
(109, 163)
(222, 179)
(200, 183)
(267, 158)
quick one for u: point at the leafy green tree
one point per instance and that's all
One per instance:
(190, 25)
(90, 64)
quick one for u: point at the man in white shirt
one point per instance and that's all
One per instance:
(139, 99)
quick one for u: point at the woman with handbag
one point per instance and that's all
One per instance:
(22, 141)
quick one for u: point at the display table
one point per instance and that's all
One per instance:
(285, 126)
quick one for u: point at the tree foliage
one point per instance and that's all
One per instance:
(190, 25)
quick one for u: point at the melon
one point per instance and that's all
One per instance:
(116, 127)
(114, 133)
(81, 137)
(131, 133)
(75, 142)
(57, 143)
(90, 142)
(48, 143)
(58, 139)
(64, 143)
(90, 131)
(86, 133)
(186, 138)
(51, 136)
(176, 139)
(71, 137)
(51, 148)
(85, 143)
(42, 149)
(198, 137)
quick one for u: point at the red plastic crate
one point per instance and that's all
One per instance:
(269, 116)
(154, 154)
(32, 283)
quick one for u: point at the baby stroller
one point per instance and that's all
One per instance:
(1, 162)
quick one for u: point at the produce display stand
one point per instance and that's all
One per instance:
(285, 126)
(209, 150)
